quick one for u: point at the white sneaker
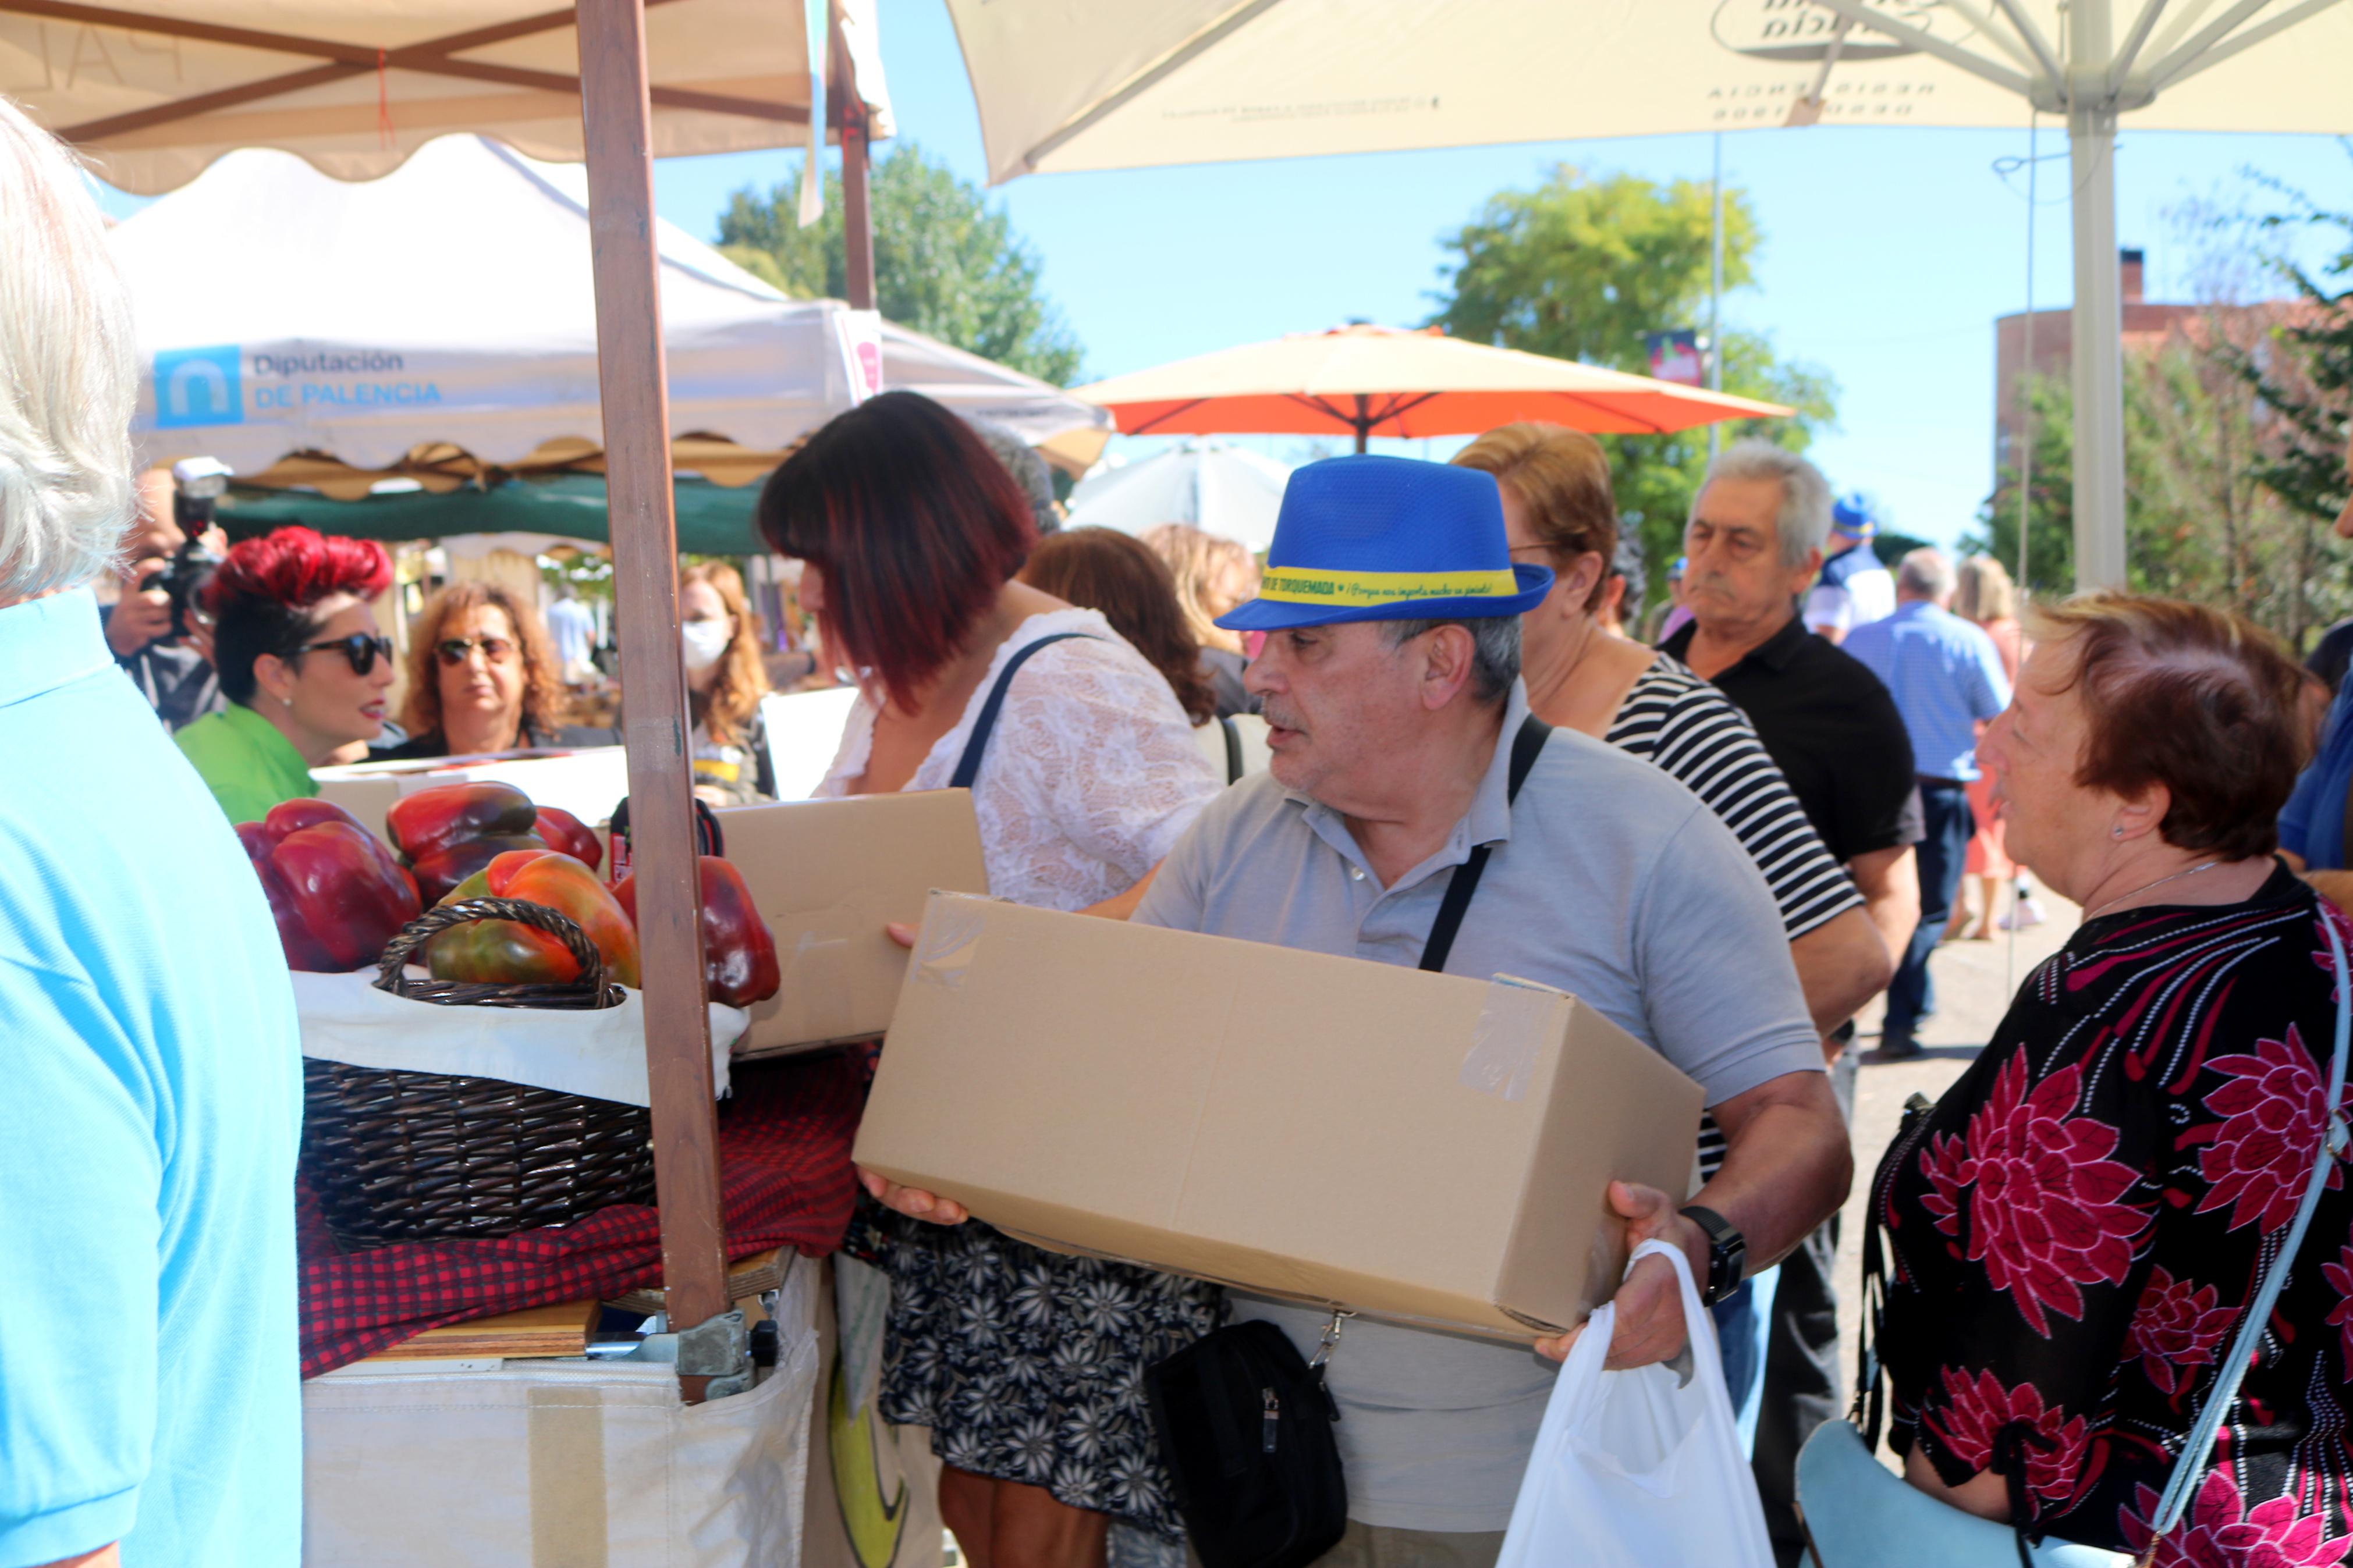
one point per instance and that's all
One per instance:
(2024, 914)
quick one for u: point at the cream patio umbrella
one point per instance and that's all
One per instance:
(1064, 86)
(1384, 381)
(153, 90)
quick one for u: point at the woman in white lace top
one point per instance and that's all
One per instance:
(1027, 1365)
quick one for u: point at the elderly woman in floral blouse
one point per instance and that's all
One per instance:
(2077, 1226)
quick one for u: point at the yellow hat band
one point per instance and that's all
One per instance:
(1357, 590)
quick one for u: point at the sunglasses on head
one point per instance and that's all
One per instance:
(362, 649)
(455, 650)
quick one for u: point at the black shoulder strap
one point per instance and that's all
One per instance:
(968, 765)
(1533, 733)
(1234, 750)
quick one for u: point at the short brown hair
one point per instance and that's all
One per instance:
(543, 697)
(1102, 568)
(915, 525)
(2195, 699)
(1562, 477)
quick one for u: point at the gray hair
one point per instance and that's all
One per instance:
(68, 371)
(1803, 521)
(1494, 649)
(1925, 573)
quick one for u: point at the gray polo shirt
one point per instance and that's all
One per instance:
(1609, 880)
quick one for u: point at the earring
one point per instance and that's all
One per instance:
(2117, 832)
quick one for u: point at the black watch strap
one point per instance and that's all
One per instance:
(1728, 1254)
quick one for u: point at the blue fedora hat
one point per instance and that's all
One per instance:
(1388, 539)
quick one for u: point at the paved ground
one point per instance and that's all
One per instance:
(1975, 981)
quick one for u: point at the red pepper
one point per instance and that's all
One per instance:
(444, 870)
(335, 892)
(567, 834)
(739, 953)
(510, 952)
(424, 824)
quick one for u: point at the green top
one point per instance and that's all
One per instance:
(245, 761)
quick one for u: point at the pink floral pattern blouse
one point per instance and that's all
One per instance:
(2075, 1229)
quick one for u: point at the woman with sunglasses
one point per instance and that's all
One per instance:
(481, 677)
(300, 660)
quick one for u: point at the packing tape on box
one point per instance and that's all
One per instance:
(1505, 1040)
(950, 941)
(817, 974)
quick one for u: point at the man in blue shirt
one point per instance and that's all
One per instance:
(149, 1402)
(2312, 825)
(1946, 678)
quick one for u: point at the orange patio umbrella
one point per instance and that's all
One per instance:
(1388, 381)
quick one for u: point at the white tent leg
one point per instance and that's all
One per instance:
(2097, 352)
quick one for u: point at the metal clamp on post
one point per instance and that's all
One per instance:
(719, 1349)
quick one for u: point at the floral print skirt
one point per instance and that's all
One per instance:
(1028, 1365)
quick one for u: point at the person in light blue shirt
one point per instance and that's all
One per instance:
(1947, 678)
(149, 1402)
(2312, 825)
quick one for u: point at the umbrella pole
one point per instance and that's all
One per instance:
(2097, 352)
(1364, 423)
(618, 122)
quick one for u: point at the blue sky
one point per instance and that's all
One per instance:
(1887, 253)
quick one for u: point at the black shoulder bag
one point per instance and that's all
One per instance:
(1244, 1421)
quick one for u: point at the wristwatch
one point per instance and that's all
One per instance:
(1728, 1254)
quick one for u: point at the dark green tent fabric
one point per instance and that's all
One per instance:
(712, 520)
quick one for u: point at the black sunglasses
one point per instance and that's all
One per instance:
(362, 649)
(454, 651)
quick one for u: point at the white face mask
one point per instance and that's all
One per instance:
(704, 641)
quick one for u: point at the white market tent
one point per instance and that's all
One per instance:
(452, 301)
(1191, 81)
(1219, 488)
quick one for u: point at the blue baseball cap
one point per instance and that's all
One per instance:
(1853, 517)
(1389, 539)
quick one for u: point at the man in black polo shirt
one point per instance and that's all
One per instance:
(1753, 546)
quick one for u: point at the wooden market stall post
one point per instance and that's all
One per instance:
(617, 117)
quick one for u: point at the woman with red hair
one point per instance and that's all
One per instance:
(300, 661)
(1027, 1365)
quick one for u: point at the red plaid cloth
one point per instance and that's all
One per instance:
(785, 1180)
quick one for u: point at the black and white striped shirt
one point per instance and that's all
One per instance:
(1678, 723)
(1681, 724)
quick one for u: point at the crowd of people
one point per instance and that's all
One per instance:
(1729, 842)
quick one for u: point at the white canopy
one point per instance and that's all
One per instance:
(1218, 488)
(450, 302)
(1188, 81)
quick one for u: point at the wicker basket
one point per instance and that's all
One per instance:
(419, 1156)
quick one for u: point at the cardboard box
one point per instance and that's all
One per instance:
(1424, 1147)
(827, 875)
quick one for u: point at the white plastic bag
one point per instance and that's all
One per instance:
(1632, 1471)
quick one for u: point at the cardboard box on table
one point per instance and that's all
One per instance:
(828, 876)
(1422, 1147)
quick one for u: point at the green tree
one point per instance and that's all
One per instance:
(2199, 524)
(2303, 373)
(1582, 267)
(945, 262)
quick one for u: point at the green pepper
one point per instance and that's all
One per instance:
(510, 952)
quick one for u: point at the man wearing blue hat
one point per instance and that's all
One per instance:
(1853, 589)
(1389, 681)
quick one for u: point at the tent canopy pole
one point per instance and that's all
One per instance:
(617, 119)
